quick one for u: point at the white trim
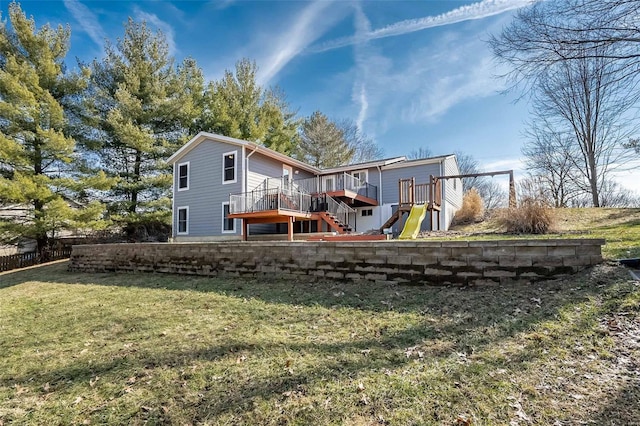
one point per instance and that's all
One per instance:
(173, 205)
(360, 166)
(203, 136)
(178, 220)
(227, 231)
(366, 175)
(235, 167)
(188, 164)
(421, 162)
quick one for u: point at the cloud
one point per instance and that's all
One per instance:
(452, 79)
(362, 53)
(161, 25)
(479, 10)
(314, 20)
(88, 21)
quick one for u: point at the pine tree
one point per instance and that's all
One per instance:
(37, 161)
(322, 143)
(237, 106)
(140, 111)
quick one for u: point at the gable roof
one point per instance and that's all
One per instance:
(203, 136)
(387, 163)
(365, 165)
(419, 162)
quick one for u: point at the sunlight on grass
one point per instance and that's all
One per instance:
(619, 227)
(145, 348)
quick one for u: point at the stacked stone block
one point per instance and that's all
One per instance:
(412, 262)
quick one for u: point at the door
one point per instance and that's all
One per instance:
(287, 173)
(328, 183)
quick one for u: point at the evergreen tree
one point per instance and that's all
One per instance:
(322, 143)
(140, 110)
(37, 159)
(236, 106)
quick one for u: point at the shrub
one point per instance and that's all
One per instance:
(472, 209)
(532, 216)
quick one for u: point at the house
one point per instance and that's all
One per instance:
(226, 188)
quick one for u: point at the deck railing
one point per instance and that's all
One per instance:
(269, 199)
(282, 199)
(337, 182)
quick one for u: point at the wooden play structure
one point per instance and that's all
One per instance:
(430, 195)
(412, 193)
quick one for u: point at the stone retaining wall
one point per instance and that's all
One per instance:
(419, 262)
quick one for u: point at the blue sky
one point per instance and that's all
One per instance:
(410, 73)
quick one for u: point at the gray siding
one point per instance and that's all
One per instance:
(261, 167)
(453, 187)
(390, 178)
(206, 192)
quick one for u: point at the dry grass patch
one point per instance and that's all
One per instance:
(619, 227)
(472, 209)
(157, 349)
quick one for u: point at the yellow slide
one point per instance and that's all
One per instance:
(412, 226)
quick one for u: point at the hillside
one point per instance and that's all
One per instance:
(620, 227)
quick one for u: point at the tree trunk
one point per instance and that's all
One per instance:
(136, 177)
(38, 205)
(593, 181)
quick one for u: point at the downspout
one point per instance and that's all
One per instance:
(173, 204)
(245, 179)
(444, 197)
(379, 196)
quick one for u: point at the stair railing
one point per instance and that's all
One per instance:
(342, 212)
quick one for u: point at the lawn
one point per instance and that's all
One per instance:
(620, 227)
(157, 349)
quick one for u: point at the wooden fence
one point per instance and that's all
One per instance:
(16, 261)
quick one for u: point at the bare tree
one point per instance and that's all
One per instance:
(492, 194)
(548, 33)
(364, 148)
(420, 153)
(549, 159)
(582, 80)
(583, 98)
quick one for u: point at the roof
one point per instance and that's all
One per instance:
(365, 165)
(387, 163)
(203, 136)
(419, 162)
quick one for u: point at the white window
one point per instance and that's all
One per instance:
(367, 212)
(229, 163)
(183, 221)
(228, 225)
(361, 175)
(183, 176)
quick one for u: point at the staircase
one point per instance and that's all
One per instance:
(334, 223)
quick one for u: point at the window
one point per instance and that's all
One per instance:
(367, 212)
(361, 175)
(229, 161)
(183, 176)
(455, 184)
(228, 225)
(183, 220)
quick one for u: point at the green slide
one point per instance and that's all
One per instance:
(412, 226)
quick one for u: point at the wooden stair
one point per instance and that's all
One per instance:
(393, 219)
(334, 223)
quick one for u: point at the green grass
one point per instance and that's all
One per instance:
(620, 228)
(156, 349)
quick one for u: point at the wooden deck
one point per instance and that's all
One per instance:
(285, 216)
(352, 198)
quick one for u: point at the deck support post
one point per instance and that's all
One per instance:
(290, 229)
(245, 229)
